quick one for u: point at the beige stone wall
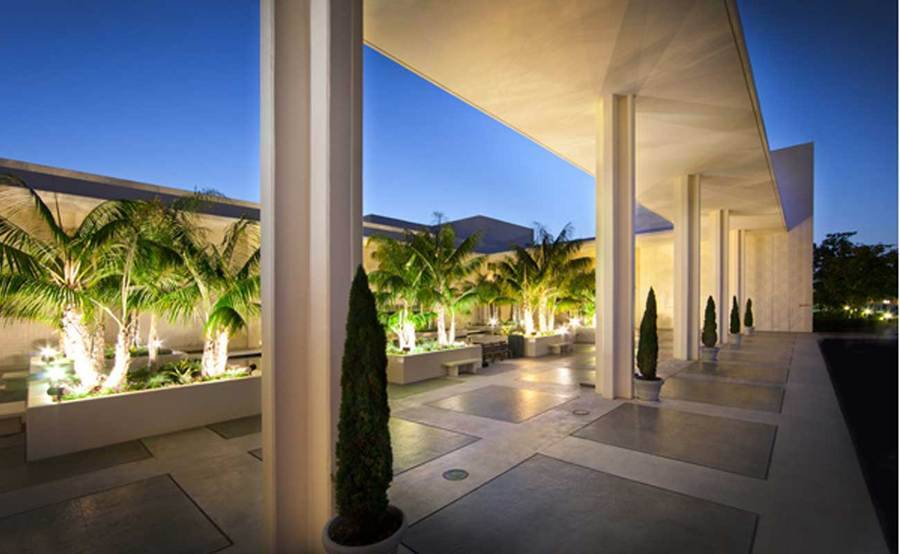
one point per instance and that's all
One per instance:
(779, 278)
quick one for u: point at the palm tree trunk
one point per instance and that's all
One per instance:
(528, 319)
(76, 346)
(441, 325)
(215, 353)
(124, 340)
(542, 315)
(152, 342)
(452, 335)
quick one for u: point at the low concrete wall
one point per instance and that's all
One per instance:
(585, 335)
(426, 365)
(60, 428)
(536, 347)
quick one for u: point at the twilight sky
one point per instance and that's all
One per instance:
(167, 92)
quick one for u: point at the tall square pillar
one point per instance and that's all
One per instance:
(719, 224)
(686, 320)
(615, 186)
(311, 172)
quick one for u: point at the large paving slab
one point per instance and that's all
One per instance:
(238, 427)
(396, 391)
(153, 515)
(504, 403)
(547, 505)
(733, 395)
(414, 444)
(733, 445)
(16, 473)
(740, 370)
(562, 376)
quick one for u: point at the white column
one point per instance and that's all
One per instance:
(615, 246)
(310, 161)
(719, 226)
(736, 268)
(686, 345)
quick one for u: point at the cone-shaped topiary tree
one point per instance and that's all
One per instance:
(735, 323)
(648, 344)
(748, 314)
(364, 456)
(709, 337)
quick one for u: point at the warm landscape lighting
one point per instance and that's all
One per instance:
(847, 308)
(56, 373)
(867, 311)
(887, 315)
(48, 352)
(493, 322)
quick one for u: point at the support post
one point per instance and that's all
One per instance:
(719, 224)
(615, 188)
(686, 340)
(310, 165)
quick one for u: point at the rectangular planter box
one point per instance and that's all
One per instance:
(536, 347)
(60, 428)
(426, 365)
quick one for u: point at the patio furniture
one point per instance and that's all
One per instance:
(469, 364)
(561, 347)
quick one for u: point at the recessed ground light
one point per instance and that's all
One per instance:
(455, 474)
(581, 412)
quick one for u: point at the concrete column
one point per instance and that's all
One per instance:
(719, 225)
(310, 162)
(736, 268)
(686, 321)
(615, 246)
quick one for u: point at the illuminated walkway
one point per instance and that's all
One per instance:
(750, 454)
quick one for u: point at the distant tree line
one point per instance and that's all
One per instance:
(848, 273)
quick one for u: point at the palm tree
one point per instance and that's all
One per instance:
(398, 281)
(139, 265)
(221, 282)
(519, 274)
(446, 266)
(557, 266)
(49, 273)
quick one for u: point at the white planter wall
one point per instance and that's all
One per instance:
(426, 365)
(536, 347)
(61, 428)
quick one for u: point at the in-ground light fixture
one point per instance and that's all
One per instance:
(56, 373)
(47, 353)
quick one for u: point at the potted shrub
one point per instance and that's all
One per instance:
(646, 383)
(365, 521)
(748, 318)
(734, 327)
(709, 338)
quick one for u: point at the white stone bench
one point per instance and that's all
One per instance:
(560, 347)
(471, 364)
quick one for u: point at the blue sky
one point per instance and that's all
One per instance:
(167, 92)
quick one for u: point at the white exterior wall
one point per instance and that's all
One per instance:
(778, 277)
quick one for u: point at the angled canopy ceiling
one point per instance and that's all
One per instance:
(540, 66)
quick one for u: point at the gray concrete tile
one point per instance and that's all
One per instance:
(238, 427)
(733, 445)
(414, 444)
(740, 370)
(734, 395)
(396, 391)
(153, 515)
(562, 376)
(16, 473)
(546, 505)
(503, 403)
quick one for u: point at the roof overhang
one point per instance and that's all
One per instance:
(540, 66)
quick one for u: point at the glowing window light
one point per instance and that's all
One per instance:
(885, 301)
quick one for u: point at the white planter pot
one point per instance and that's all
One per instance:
(410, 368)
(61, 428)
(709, 354)
(647, 390)
(389, 545)
(735, 338)
(536, 347)
(749, 330)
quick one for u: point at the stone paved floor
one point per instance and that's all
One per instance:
(543, 478)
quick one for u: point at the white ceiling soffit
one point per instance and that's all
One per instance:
(539, 66)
